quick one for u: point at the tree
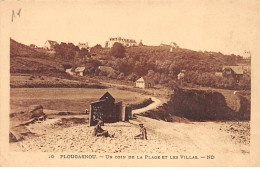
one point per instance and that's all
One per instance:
(83, 53)
(229, 82)
(245, 82)
(96, 48)
(121, 76)
(118, 50)
(150, 73)
(125, 68)
(65, 51)
(230, 59)
(132, 77)
(140, 69)
(141, 43)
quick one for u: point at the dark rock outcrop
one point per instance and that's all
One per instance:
(36, 111)
(201, 105)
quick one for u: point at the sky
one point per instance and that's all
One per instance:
(227, 26)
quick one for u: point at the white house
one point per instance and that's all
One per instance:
(83, 45)
(69, 71)
(80, 71)
(49, 45)
(123, 41)
(173, 46)
(247, 54)
(143, 83)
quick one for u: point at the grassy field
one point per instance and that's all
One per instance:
(66, 99)
(39, 81)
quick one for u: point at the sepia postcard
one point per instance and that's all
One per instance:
(129, 83)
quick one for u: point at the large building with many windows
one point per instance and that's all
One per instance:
(123, 41)
(83, 45)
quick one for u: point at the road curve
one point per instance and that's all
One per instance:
(155, 104)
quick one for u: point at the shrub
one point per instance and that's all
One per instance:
(118, 50)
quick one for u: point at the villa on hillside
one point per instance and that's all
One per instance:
(123, 41)
(246, 55)
(236, 72)
(144, 83)
(164, 45)
(172, 46)
(83, 45)
(49, 45)
(80, 71)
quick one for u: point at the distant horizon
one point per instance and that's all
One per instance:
(229, 27)
(103, 46)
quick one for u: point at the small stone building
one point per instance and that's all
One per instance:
(108, 111)
(144, 83)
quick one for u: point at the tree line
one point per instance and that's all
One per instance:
(158, 64)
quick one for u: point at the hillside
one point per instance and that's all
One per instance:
(183, 58)
(24, 59)
(155, 62)
(162, 66)
(21, 50)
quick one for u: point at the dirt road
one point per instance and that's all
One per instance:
(155, 104)
(202, 137)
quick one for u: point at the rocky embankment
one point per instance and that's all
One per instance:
(201, 105)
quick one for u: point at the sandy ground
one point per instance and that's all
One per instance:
(163, 137)
(54, 135)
